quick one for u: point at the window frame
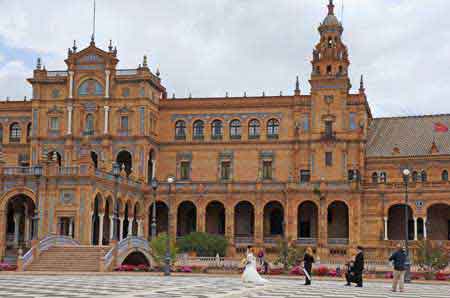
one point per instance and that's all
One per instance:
(198, 130)
(328, 159)
(254, 129)
(15, 132)
(185, 170)
(235, 130)
(273, 128)
(225, 172)
(85, 89)
(180, 126)
(122, 127)
(217, 126)
(305, 176)
(267, 171)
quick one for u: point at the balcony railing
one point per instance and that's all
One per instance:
(338, 241)
(328, 136)
(19, 171)
(126, 72)
(271, 239)
(243, 240)
(306, 241)
(57, 73)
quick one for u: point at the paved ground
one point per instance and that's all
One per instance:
(137, 286)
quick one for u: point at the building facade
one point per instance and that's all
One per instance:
(317, 168)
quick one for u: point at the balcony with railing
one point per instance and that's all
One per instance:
(306, 241)
(338, 241)
(243, 240)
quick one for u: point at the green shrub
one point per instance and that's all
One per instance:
(431, 257)
(203, 244)
(158, 246)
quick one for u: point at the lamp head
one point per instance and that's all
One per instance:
(171, 179)
(406, 172)
(154, 183)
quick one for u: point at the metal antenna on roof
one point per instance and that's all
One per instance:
(93, 26)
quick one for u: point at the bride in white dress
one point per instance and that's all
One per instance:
(250, 273)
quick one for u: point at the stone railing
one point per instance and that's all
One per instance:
(338, 241)
(306, 241)
(18, 171)
(243, 240)
(118, 250)
(57, 73)
(126, 72)
(45, 244)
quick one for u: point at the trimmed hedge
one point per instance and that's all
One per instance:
(203, 244)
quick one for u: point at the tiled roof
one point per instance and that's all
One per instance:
(413, 136)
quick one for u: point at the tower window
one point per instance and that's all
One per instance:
(225, 170)
(267, 169)
(318, 70)
(305, 176)
(330, 42)
(328, 129)
(329, 70)
(329, 159)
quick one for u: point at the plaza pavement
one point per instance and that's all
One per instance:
(152, 286)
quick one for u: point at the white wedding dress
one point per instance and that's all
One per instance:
(250, 273)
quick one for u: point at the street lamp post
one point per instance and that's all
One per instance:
(37, 173)
(406, 174)
(154, 184)
(170, 180)
(116, 172)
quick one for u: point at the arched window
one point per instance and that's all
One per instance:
(444, 175)
(15, 133)
(1, 134)
(383, 177)
(254, 129)
(90, 87)
(217, 129)
(28, 132)
(180, 129)
(235, 129)
(423, 176)
(272, 128)
(89, 125)
(374, 177)
(329, 70)
(198, 129)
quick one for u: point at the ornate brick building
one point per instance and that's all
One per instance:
(317, 168)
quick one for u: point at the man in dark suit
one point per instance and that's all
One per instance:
(356, 272)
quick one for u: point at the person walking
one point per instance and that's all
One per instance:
(308, 260)
(356, 272)
(399, 259)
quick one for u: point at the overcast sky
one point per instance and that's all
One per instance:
(209, 47)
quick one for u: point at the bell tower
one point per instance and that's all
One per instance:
(330, 61)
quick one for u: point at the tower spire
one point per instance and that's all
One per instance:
(331, 8)
(361, 85)
(297, 86)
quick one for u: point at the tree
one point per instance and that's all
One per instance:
(158, 251)
(432, 257)
(288, 252)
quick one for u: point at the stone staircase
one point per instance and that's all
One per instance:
(81, 258)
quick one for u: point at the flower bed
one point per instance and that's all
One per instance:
(7, 267)
(321, 271)
(132, 268)
(297, 271)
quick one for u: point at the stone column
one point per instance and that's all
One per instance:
(69, 120)
(111, 227)
(16, 229)
(259, 223)
(415, 228)
(105, 131)
(386, 228)
(130, 226)
(92, 227)
(27, 228)
(153, 168)
(71, 227)
(229, 224)
(201, 220)
(100, 233)
(121, 219)
(140, 230)
(107, 72)
(425, 228)
(70, 84)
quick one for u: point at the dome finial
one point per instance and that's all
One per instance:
(144, 62)
(297, 86)
(331, 8)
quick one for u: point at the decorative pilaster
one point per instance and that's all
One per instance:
(71, 84)
(415, 228)
(105, 131)
(386, 228)
(107, 73)
(229, 224)
(27, 228)
(69, 119)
